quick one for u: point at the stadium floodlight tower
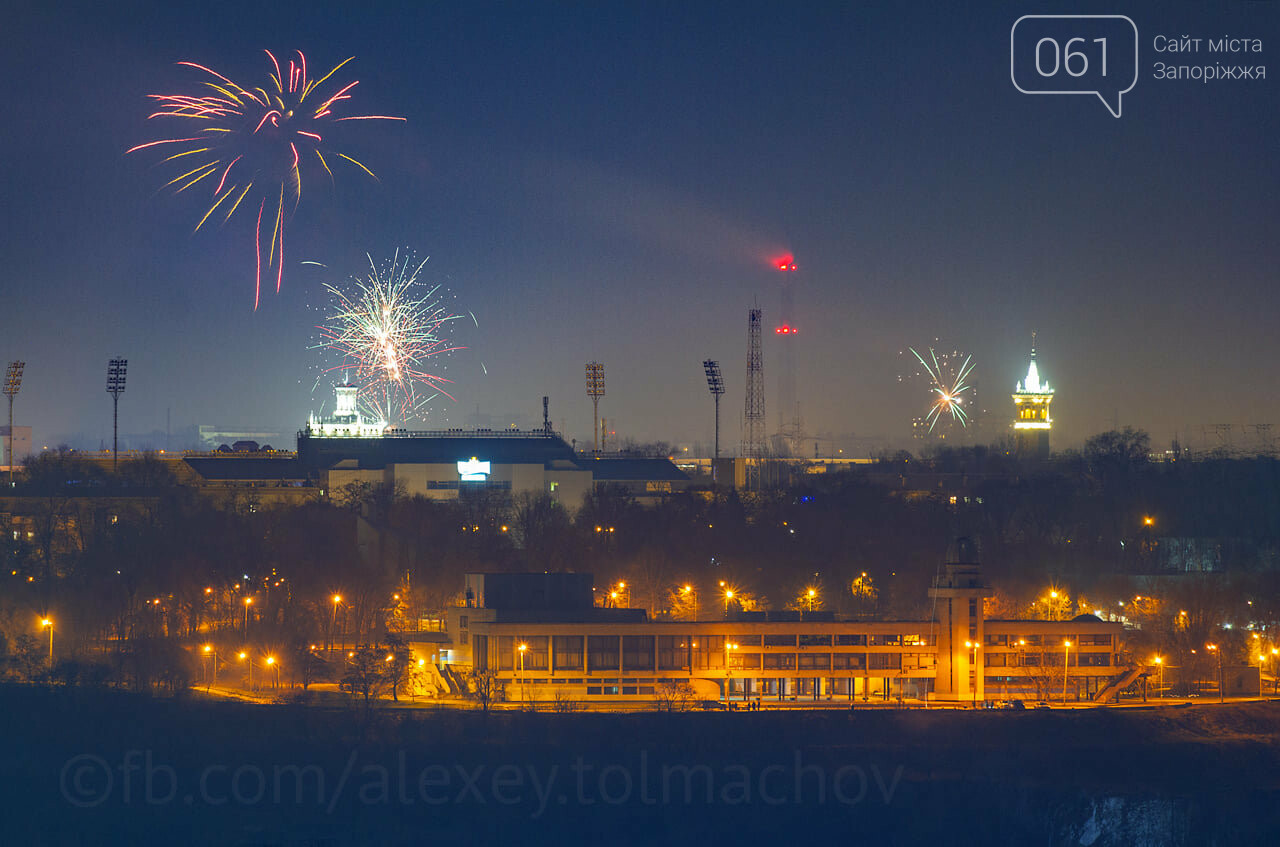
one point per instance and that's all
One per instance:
(715, 382)
(116, 370)
(12, 382)
(595, 390)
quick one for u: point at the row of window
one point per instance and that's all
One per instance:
(1000, 640)
(1035, 660)
(468, 485)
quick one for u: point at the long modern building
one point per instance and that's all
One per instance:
(543, 638)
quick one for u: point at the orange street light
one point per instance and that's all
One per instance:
(48, 622)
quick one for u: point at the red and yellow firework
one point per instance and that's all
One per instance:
(256, 140)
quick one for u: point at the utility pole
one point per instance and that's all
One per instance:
(116, 370)
(12, 383)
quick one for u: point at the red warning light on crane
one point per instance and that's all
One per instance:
(786, 329)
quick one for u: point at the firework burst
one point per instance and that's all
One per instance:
(949, 388)
(385, 328)
(238, 140)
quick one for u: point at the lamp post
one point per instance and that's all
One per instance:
(523, 648)
(248, 601)
(693, 595)
(245, 657)
(715, 382)
(210, 651)
(1066, 667)
(728, 596)
(48, 622)
(1159, 661)
(271, 663)
(728, 673)
(337, 598)
(12, 384)
(973, 664)
(811, 594)
(116, 371)
(1213, 648)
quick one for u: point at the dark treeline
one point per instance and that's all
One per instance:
(121, 559)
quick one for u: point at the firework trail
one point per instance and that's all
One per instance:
(235, 140)
(948, 384)
(385, 328)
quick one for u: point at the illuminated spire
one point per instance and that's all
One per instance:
(1033, 385)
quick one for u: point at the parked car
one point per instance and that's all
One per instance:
(1042, 704)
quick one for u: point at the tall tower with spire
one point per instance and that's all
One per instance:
(1031, 421)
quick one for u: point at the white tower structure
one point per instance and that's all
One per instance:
(346, 420)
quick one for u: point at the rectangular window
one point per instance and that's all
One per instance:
(849, 661)
(673, 652)
(852, 639)
(480, 652)
(1033, 640)
(744, 661)
(814, 662)
(568, 650)
(637, 652)
(1095, 660)
(996, 660)
(919, 640)
(1095, 641)
(779, 640)
(744, 640)
(993, 639)
(708, 652)
(886, 640)
(886, 661)
(779, 661)
(602, 652)
(535, 653)
(815, 640)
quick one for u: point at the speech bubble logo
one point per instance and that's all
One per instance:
(1075, 54)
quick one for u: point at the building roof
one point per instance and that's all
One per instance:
(448, 447)
(628, 468)
(246, 467)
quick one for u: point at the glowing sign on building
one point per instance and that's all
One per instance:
(472, 470)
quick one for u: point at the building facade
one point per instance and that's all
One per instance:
(1031, 420)
(544, 651)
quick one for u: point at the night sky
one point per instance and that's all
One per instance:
(610, 181)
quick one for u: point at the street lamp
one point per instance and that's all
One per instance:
(48, 622)
(1213, 648)
(337, 598)
(973, 664)
(688, 590)
(245, 657)
(1159, 662)
(811, 593)
(523, 648)
(209, 650)
(728, 672)
(271, 663)
(248, 601)
(1066, 667)
(728, 595)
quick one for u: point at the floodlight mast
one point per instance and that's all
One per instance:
(595, 390)
(12, 384)
(715, 383)
(116, 372)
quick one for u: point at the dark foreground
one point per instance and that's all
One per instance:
(104, 767)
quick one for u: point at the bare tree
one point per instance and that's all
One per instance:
(674, 696)
(485, 688)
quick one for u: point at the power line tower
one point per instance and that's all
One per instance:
(12, 383)
(753, 420)
(715, 382)
(116, 370)
(595, 390)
